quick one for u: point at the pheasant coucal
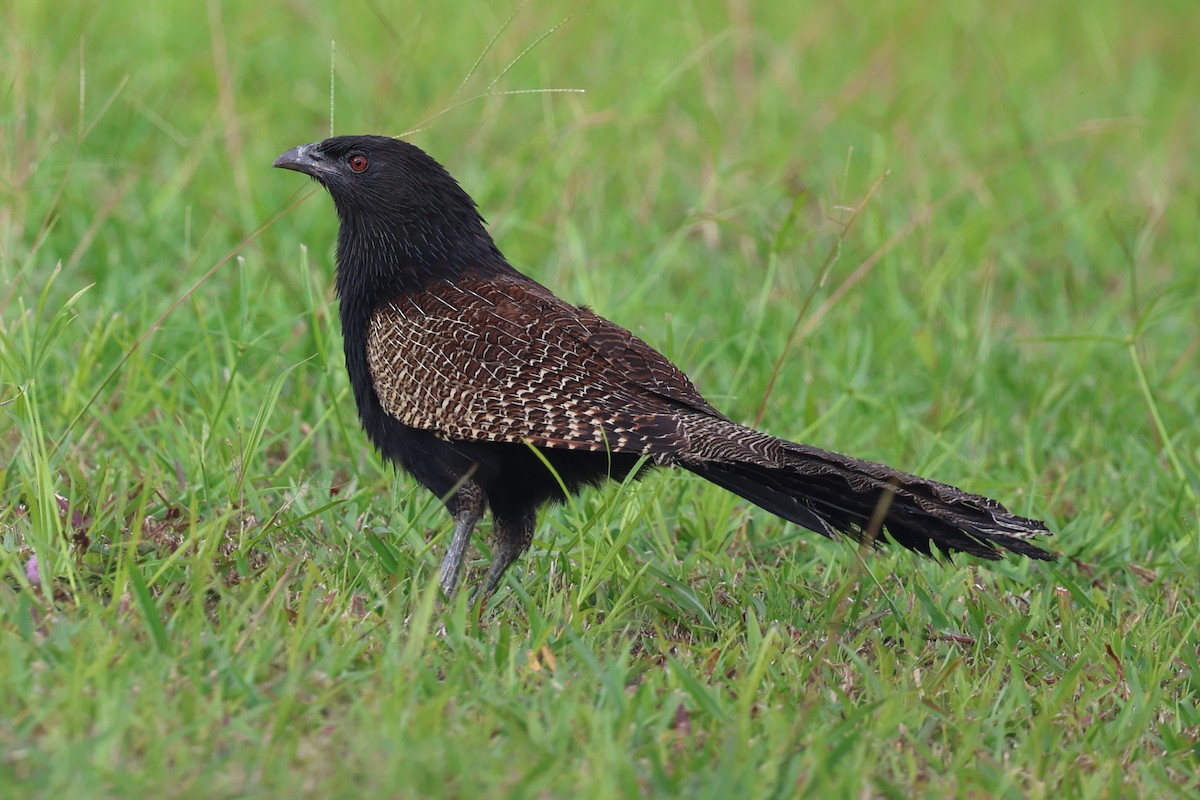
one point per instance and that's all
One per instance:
(496, 394)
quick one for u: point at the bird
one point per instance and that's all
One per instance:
(496, 395)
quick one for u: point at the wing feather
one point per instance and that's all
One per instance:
(509, 362)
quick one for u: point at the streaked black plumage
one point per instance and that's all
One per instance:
(462, 367)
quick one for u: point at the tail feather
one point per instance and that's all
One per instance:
(834, 494)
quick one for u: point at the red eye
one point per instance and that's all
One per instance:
(358, 163)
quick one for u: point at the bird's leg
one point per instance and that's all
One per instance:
(513, 535)
(467, 507)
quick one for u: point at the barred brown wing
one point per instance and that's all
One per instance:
(509, 362)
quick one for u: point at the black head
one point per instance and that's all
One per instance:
(400, 211)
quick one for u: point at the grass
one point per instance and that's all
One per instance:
(945, 236)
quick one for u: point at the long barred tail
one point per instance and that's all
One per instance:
(831, 494)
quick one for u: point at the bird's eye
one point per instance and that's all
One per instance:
(358, 163)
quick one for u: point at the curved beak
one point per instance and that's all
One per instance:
(306, 158)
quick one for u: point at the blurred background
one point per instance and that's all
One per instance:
(969, 213)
